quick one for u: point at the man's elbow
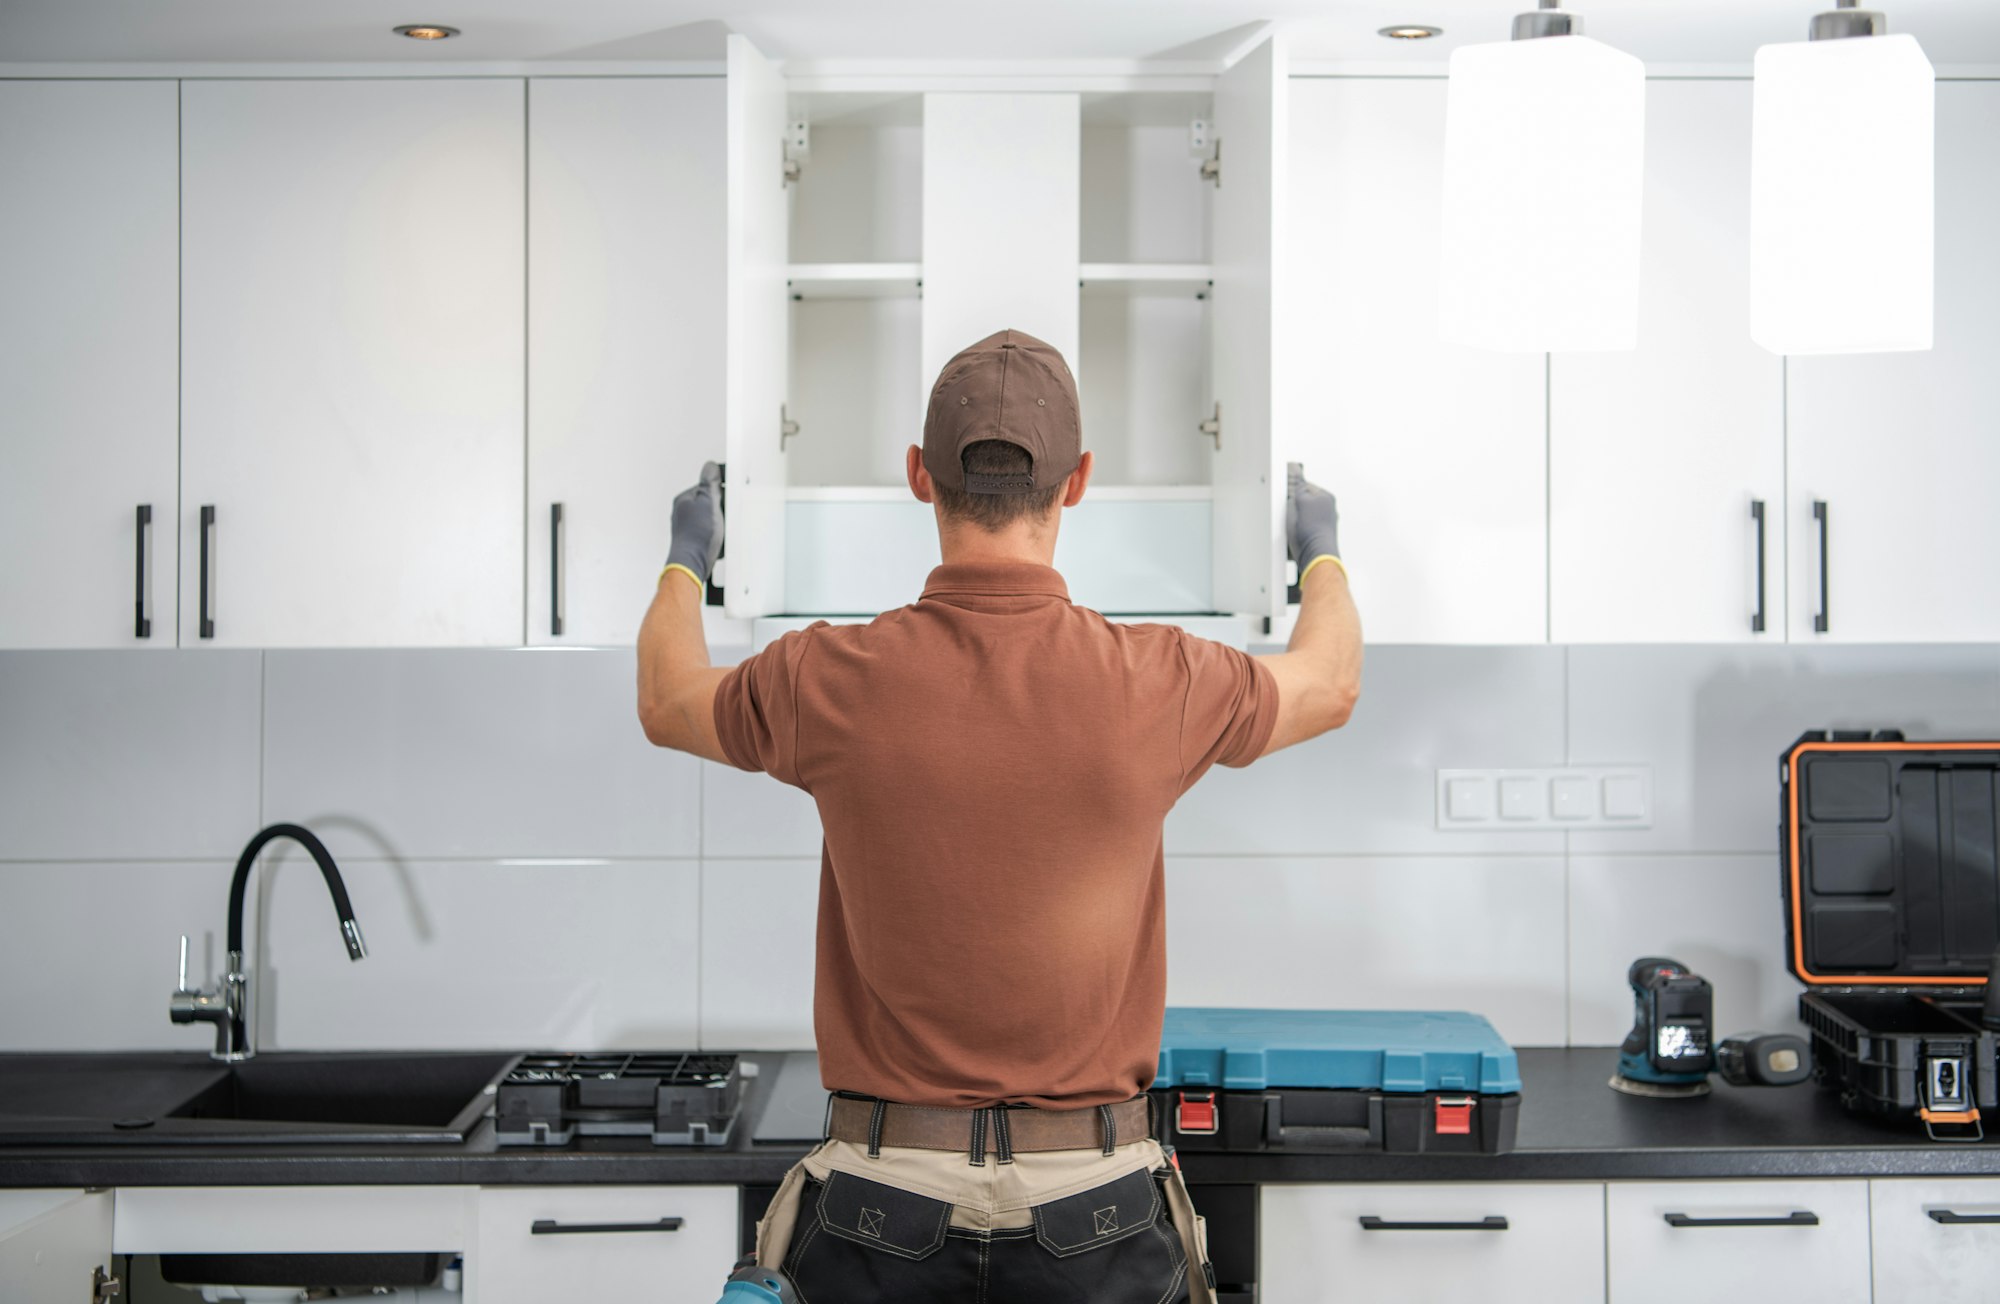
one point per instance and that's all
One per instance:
(660, 723)
(1340, 704)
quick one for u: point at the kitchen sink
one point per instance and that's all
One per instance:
(277, 1098)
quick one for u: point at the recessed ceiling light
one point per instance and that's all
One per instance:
(427, 32)
(1411, 32)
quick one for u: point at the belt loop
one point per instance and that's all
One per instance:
(1110, 1129)
(977, 1158)
(875, 1129)
(1003, 1135)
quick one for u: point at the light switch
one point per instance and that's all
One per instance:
(1624, 797)
(1468, 799)
(1521, 799)
(1572, 798)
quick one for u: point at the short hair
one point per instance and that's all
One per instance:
(996, 511)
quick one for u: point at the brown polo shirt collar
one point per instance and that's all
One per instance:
(994, 579)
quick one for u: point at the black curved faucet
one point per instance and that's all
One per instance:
(228, 1007)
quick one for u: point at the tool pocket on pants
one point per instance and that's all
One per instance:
(1108, 1245)
(863, 1241)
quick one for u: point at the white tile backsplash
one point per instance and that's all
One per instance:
(451, 785)
(471, 753)
(127, 755)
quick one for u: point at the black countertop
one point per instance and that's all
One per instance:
(1572, 1128)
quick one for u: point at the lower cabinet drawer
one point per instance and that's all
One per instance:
(602, 1243)
(1671, 1242)
(1427, 1243)
(1936, 1242)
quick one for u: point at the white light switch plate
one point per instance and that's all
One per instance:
(1593, 797)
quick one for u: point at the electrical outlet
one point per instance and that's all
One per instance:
(1593, 797)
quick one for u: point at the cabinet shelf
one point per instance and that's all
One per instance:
(1146, 279)
(855, 280)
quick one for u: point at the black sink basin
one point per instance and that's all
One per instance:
(276, 1098)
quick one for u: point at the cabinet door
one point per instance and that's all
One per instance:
(1435, 451)
(51, 1242)
(665, 1244)
(1900, 446)
(1665, 1236)
(88, 353)
(757, 335)
(1935, 1242)
(1246, 241)
(626, 246)
(352, 362)
(1432, 1244)
(1656, 456)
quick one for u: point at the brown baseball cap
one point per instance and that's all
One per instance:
(1014, 388)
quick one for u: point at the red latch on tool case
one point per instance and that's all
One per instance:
(1454, 1115)
(1195, 1112)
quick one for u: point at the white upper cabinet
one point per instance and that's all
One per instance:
(1667, 463)
(1898, 450)
(626, 245)
(88, 390)
(352, 362)
(1436, 452)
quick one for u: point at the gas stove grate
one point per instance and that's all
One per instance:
(691, 1098)
(671, 1069)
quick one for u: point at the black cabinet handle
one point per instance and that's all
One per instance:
(142, 625)
(1953, 1219)
(1757, 515)
(555, 570)
(207, 561)
(1799, 1218)
(550, 1227)
(1820, 618)
(714, 595)
(1490, 1223)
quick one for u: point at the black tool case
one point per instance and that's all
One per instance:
(1891, 871)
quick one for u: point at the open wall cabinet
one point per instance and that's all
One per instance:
(876, 229)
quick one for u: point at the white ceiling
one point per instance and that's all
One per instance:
(1954, 32)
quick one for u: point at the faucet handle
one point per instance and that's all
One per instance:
(184, 963)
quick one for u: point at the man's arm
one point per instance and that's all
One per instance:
(676, 683)
(1319, 673)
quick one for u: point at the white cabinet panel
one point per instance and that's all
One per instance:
(685, 1265)
(1001, 221)
(1315, 1248)
(1653, 1261)
(108, 756)
(421, 753)
(1656, 455)
(1923, 1254)
(1899, 446)
(759, 923)
(1408, 933)
(626, 282)
(352, 361)
(1436, 452)
(88, 356)
(292, 1219)
(51, 1242)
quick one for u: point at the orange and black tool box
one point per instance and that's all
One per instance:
(1891, 854)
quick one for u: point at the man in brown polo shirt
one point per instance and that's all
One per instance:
(992, 767)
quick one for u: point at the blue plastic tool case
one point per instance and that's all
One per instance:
(1323, 1081)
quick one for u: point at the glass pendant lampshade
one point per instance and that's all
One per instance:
(1544, 159)
(1842, 226)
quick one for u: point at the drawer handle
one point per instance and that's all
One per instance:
(1797, 1218)
(1490, 1223)
(1951, 1218)
(550, 1227)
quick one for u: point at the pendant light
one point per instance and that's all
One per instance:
(1545, 140)
(1842, 225)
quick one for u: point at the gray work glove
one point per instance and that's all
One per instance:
(1312, 522)
(698, 525)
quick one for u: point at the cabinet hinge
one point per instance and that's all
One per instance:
(798, 144)
(104, 1287)
(786, 426)
(1213, 427)
(1211, 167)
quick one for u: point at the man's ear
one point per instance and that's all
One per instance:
(1078, 480)
(920, 478)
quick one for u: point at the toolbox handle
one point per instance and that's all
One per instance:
(550, 1227)
(1797, 1218)
(1490, 1223)
(1952, 1218)
(1324, 1136)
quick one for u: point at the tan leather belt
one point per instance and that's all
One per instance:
(1001, 1131)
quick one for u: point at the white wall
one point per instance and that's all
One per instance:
(530, 872)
